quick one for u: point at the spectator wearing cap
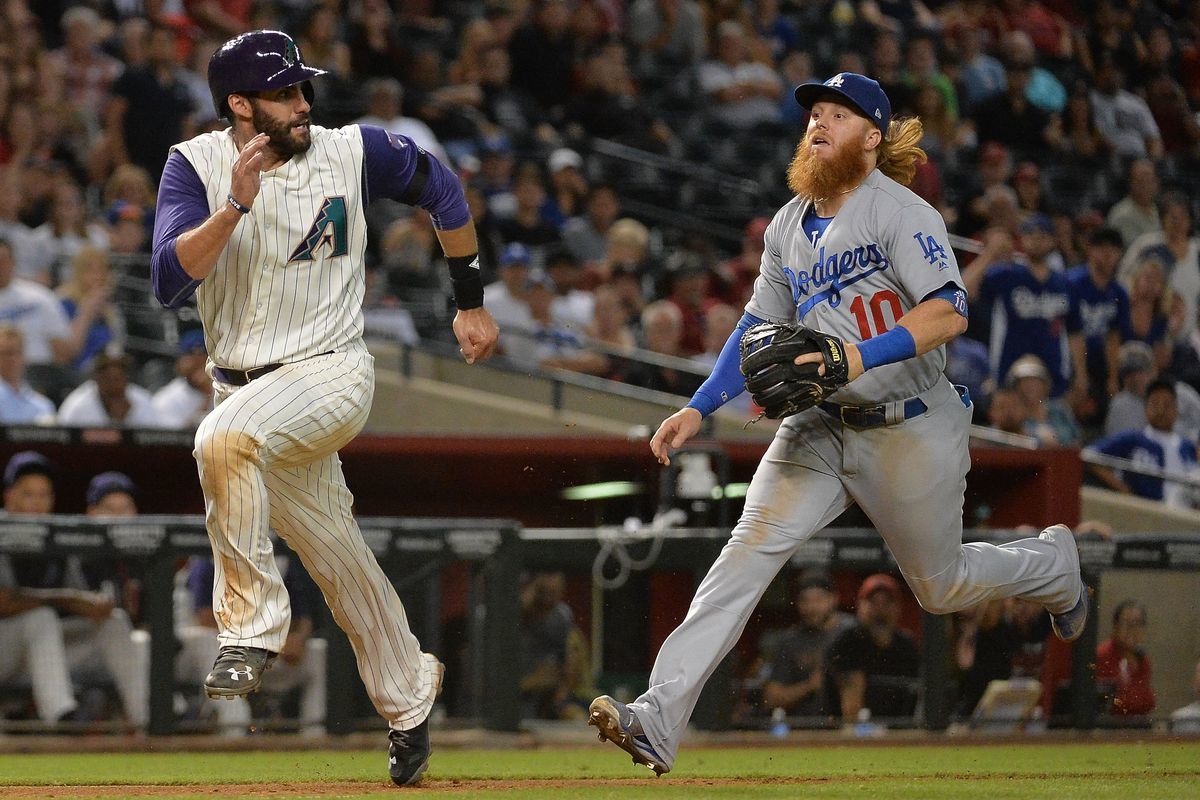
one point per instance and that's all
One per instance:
(385, 109)
(795, 679)
(585, 235)
(20, 403)
(1123, 118)
(734, 277)
(1177, 249)
(505, 298)
(183, 402)
(87, 298)
(1046, 419)
(92, 637)
(108, 399)
(573, 308)
(111, 494)
(1156, 444)
(1099, 311)
(568, 186)
(1029, 302)
(874, 664)
(495, 178)
(547, 344)
(1136, 213)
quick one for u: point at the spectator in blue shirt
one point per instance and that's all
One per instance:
(1156, 445)
(20, 404)
(1099, 311)
(1029, 302)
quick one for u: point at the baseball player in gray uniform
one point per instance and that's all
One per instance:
(857, 255)
(264, 222)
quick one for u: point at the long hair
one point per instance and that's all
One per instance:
(900, 151)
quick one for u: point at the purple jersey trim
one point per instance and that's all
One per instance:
(182, 205)
(389, 163)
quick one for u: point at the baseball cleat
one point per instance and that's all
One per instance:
(1069, 625)
(237, 671)
(408, 751)
(617, 723)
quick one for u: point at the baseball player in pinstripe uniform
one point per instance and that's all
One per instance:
(264, 222)
(856, 255)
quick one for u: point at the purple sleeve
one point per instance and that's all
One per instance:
(394, 167)
(182, 205)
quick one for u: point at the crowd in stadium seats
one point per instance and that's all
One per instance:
(605, 147)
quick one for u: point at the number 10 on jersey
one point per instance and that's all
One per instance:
(878, 322)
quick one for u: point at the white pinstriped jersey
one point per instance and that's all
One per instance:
(884, 251)
(290, 283)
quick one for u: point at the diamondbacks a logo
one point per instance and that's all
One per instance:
(329, 229)
(935, 254)
(291, 53)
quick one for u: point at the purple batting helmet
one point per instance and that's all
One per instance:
(254, 62)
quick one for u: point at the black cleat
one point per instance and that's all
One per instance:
(237, 671)
(617, 723)
(408, 754)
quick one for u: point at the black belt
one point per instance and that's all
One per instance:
(866, 417)
(240, 377)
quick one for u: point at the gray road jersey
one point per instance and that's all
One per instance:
(884, 251)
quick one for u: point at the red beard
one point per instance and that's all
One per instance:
(818, 179)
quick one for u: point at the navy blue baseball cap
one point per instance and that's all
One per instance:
(27, 462)
(192, 341)
(106, 483)
(859, 91)
(1038, 222)
(515, 253)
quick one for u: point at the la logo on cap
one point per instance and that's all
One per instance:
(878, 115)
(836, 80)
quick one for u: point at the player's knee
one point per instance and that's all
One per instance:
(936, 597)
(220, 449)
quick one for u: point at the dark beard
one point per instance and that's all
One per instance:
(810, 177)
(286, 141)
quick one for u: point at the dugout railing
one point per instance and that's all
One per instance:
(415, 553)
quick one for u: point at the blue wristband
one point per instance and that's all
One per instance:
(895, 345)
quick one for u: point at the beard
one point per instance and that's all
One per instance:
(285, 138)
(820, 179)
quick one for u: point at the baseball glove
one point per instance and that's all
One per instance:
(778, 385)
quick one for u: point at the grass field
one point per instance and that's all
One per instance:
(1141, 771)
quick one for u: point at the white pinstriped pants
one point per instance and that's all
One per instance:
(267, 457)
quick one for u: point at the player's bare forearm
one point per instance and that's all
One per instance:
(933, 323)
(458, 242)
(199, 248)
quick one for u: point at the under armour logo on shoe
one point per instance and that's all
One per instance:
(392, 761)
(236, 674)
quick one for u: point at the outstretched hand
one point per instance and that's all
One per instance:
(674, 431)
(477, 333)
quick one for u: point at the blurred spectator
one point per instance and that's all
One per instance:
(555, 679)
(183, 402)
(1150, 302)
(1009, 117)
(1006, 411)
(1099, 311)
(1044, 90)
(36, 312)
(740, 93)
(585, 235)
(1029, 301)
(67, 230)
(1136, 213)
(1046, 419)
(128, 231)
(980, 75)
(376, 47)
(998, 640)
(610, 322)
(1103, 37)
(608, 105)
(87, 297)
(527, 224)
(32, 257)
(1122, 117)
(300, 664)
(1031, 196)
(505, 298)
(543, 54)
(385, 109)
(874, 664)
(150, 108)
(109, 399)
(777, 30)
(1177, 124)
(1176, 249)
(734, 278)
(662, 329)
(1187, 718)
(1122, 666)
(573, 307)
(627, 243)
(1156, 445)
(223, 18)
(568, 186)
(546, 343)
(500, 103)
(922, 69)
(796, 677)
(95, 634)
(20, 404)
(87, 71)
(897, 15)
(995, 167)
(495, 179)
(887, 67)
(668, 37)
(1082, 144)
(688, 280)
(111, 494)
(1135, 371)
